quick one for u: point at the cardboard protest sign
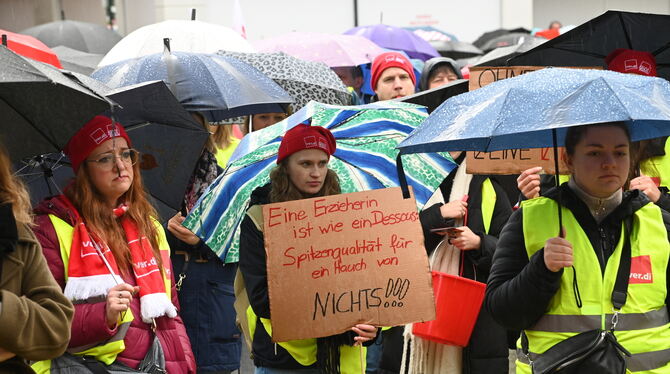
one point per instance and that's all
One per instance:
(336, 261)
(514, 161)
(481, 76)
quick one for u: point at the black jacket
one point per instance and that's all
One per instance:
(253, 268)
(519, 290)
(487, 351)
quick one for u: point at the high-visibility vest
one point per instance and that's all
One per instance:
(488, 203)
(223, 154)
(105, 352)
(302, 350)
(643, 325)
(658, 166)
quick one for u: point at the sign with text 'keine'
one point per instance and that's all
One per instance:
(514, 161)
(336, 261)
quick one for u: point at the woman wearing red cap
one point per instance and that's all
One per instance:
(107, 251)
(302, 172)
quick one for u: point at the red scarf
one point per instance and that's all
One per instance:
(92, 269)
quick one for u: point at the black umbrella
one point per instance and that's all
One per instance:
(40, 107)
(485, 37)
(169, 141)
(507, 40)
(433, 98)
(589, 43)
(82, 36)
(456, 49)
(77, 61)
(500, 56)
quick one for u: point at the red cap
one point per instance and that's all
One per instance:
(305, 136)
(631, 61)
(390, 60)
(94, 133)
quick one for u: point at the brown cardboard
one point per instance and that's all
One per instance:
(514, 161)
(314, 292)
(480, 76)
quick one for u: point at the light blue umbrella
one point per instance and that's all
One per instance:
(220, 87)
(365, 159)
(521, 112)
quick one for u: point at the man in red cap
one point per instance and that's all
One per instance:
(392, 76)
(631, 61)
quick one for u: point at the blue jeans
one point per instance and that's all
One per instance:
(266, 370)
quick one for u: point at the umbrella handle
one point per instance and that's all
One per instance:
(402, 179)
(558, 183)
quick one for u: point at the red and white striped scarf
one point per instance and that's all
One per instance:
(92, 269)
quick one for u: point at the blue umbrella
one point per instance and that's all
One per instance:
(521, 112)
(218, 86)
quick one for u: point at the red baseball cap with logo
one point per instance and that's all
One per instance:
(95, 132)
(390, 60)
(304, 136)
(631, 61)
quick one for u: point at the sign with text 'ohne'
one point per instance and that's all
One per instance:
(336, 261)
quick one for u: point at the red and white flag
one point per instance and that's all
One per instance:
(238, 20)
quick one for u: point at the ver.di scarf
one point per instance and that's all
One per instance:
(92, 269)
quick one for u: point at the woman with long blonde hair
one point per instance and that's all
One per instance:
(106, 249)
(34, 314)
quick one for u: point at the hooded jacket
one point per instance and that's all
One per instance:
(519, 289)
(35, 316)
(434, 63)
(89, 325)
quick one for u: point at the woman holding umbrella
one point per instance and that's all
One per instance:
(556, 286)
(302, 172)
(106, 249)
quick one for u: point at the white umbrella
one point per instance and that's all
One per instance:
(185, 36)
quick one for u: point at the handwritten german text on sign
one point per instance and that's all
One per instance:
(336, 261)
(514, 161)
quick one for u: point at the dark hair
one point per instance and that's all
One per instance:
(576, 133)
(283, 190)
(356, 72)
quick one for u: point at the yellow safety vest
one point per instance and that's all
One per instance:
(223, 154)
(643, 327)
(488, 203)
(302, 350)
(107, 351)
(658, 166)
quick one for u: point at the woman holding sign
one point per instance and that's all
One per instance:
(302, 172)
(556, 286)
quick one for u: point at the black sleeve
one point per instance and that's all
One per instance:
(518, 290)
(178, 245)
(664, 201)
(253, 267)
(431, 218)
(483, 257)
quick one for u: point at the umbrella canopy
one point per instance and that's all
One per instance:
(218, 86)
(456, 49)
(185, 36)
(507, 40)
(40, 107)
(82, 36)
(169, 141)
(500, 56)
(431, 34)
(331, 49)
(303, 80)
(28, 46)
(589, 43)
(521, 112)
(433, 98)
(485, 37)
(396, 38)
(77, 61)
(365, 159)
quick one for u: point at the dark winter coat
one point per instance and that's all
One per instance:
(519, 289)
(89, 325)
(487, 351)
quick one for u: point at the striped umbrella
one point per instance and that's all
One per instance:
(366, 136)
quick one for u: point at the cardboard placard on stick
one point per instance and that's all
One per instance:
(336, 261)
(481, 76)
(514, 161)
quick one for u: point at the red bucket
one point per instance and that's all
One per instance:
(457, 304)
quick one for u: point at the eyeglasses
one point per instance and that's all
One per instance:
(107, 161)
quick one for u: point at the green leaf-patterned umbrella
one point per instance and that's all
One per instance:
(366, 137)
